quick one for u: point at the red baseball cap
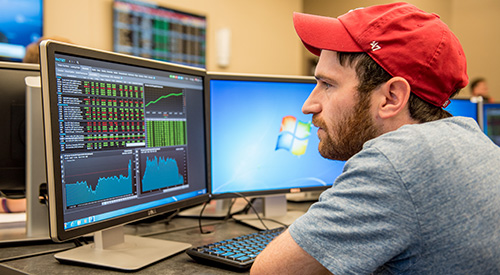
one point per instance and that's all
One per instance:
(401, 38)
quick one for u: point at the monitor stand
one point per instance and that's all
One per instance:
(274, 214)
(215, 209)
(113, 249)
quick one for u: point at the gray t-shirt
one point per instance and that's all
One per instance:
(424, 199)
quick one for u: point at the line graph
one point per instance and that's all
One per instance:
(161, 102)
(162, 97)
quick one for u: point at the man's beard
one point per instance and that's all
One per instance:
(352, 131)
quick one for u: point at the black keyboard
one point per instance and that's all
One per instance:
(239, 252)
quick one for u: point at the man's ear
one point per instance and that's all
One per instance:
(393, 97)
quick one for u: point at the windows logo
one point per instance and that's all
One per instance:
(294, 135)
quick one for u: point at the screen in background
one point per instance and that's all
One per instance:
(467, 108)
(13, 123)
(151, 31)
(491, 114)
(21, 23)
(463, 107)
(126, 141)
(261, 142)
(19, 144)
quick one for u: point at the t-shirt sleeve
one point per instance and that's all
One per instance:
(363, 221)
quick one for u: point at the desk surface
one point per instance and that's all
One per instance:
(179, 229)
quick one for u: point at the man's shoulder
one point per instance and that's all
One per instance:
(414, 142)
(427, 133)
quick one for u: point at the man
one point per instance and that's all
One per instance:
(420, 191)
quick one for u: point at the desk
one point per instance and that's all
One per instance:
(179, 229)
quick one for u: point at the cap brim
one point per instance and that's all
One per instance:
(323, 33)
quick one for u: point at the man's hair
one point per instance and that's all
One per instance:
(371, 75)
(475, 82)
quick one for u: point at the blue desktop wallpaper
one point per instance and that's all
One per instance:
(246, 118)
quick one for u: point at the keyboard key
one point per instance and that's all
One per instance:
(227, 254)
(243, 258)
(236, 256)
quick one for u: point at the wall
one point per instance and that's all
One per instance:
(263, 38)
(476, 25)
(473, 22)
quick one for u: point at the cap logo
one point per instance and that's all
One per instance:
(375, 46)
(360, 8)
(446, 103)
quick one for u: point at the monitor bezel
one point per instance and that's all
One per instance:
(48, 50)
(250, 77)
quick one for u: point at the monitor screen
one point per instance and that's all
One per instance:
(261, 142)
(463, 107)
(148, 30)
(13, 124)
(125, 138)
(21, 23)
(491, 114)
(467, 108)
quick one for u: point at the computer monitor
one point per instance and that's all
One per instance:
(491, 113)
(261, 143)
(13, 125)
(466, 108)
(21, 23)
(21, 140)
(125, 140)
(149, 30)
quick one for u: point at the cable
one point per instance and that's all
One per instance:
(170, 217)
(228, 214)
(271, 220)
(248, 207)
(166, 231)
(77, 242)
(201, 216)
(253, 208)
(249, 204)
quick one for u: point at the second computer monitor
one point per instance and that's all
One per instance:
(261, 143)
